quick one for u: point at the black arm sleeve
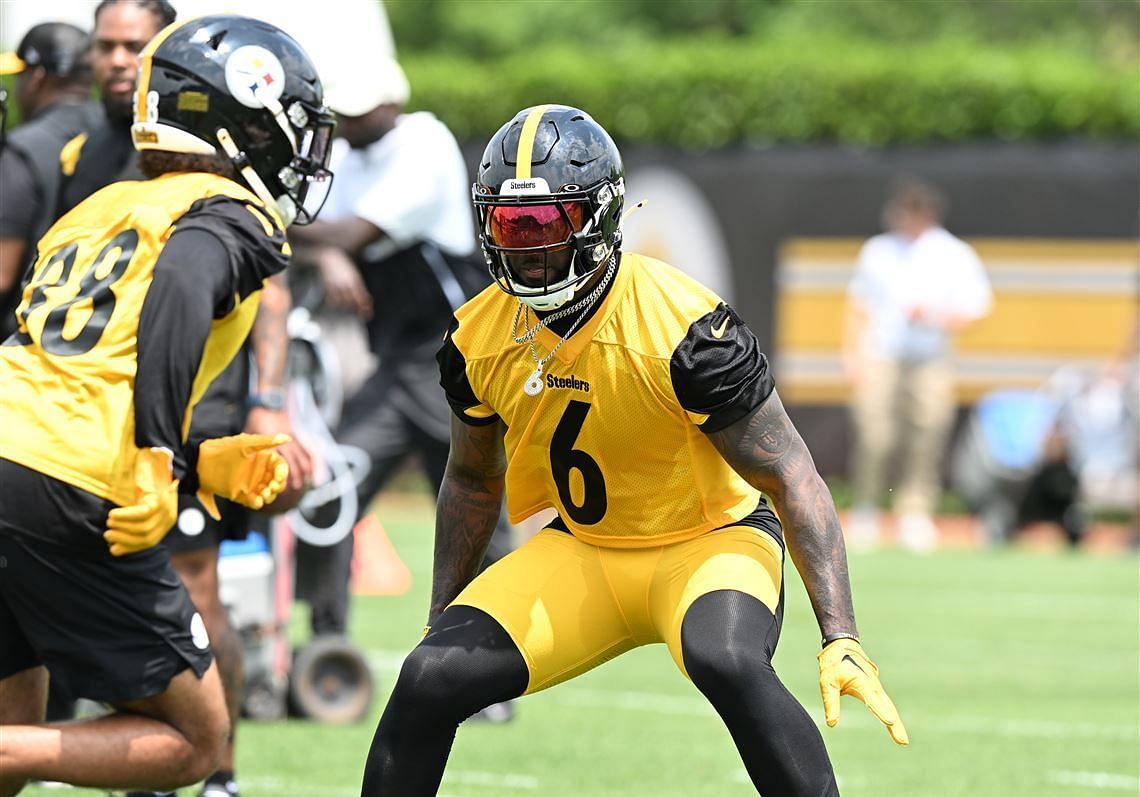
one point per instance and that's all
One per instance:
(255, 246)
(453, 378)
(718, 369)
(193, 277)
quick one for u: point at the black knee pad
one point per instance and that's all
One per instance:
(728, 637)
(465, 664)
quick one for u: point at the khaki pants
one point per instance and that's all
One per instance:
(908, 402)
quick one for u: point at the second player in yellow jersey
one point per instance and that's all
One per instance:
(69, 371)
(138, 297)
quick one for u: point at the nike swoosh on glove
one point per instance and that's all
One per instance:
(135, 528)
(844, 669)
(243, 468)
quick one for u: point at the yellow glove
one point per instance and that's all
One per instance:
(243, 468)
(135, 528)
(844, 669)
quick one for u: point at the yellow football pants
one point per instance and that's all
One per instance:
(569, 605)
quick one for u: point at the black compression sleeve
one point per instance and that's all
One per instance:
(192, 277)
(727, 642)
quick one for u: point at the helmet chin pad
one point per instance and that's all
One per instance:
(547, 301)
(549, 295)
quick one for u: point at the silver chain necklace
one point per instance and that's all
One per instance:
(533, 385)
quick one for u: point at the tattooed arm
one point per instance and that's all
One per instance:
(270, 342)
(270, 337)
(470, 499)
(769, 453)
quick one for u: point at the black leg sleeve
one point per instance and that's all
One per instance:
(727, 640)
(465, 664)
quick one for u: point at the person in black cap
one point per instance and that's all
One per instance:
(51, 91)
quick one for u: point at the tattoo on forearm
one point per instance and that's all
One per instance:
(769, 453)
(470, 500)
(271, 337)
(465, 520)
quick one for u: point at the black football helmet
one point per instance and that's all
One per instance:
(239, 86)
(549, 197)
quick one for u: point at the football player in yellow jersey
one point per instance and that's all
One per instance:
(139, 296)
(619, 392)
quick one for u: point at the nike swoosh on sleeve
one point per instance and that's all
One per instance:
(718, 332)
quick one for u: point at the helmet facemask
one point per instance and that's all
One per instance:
(542, 247)
(299, 189)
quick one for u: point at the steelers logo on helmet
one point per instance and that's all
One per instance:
(255, 76)
(242, 88)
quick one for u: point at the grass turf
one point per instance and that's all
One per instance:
(1016, 674)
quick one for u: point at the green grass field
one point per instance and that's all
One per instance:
(1016, 674)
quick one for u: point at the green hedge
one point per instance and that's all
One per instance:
(715, 92)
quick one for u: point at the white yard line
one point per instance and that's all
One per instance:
(498, 780)
(1095, 780)
(695, 706)
(845, 782)
(504, 780)
(272, 785)
(636, 701)
(971, 724)
(1042, 729)
(386, 660)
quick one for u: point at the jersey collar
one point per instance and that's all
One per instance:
(582, 337)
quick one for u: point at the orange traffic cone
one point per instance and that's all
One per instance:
(376, 567)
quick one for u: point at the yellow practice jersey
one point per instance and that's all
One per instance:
(67, 409)
(614, 439)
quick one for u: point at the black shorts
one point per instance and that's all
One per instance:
(195, 530)
(110, 629)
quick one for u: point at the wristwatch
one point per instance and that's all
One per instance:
(269, 399)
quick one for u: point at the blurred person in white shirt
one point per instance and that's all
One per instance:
(915, 287)
(395, 245)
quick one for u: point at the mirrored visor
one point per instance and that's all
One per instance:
(534, 226)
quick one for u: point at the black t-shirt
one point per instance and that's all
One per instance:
(411, 309)
(21, 196)
(19, 199)
(107, 156)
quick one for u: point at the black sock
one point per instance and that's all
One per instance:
(222, 776)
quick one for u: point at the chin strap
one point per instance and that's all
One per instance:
(284, 205)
